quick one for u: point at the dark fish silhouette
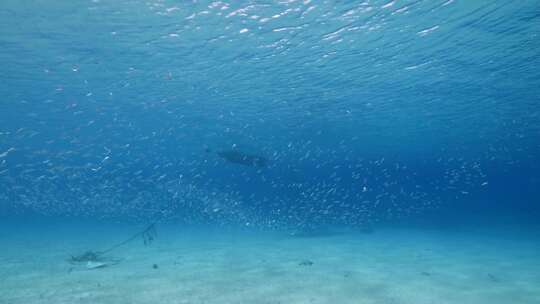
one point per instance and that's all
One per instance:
(241, 158)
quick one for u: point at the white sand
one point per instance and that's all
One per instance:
(195, 266)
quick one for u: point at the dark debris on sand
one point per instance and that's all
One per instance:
(306, 263)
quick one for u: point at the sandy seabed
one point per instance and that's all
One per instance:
(390, 265)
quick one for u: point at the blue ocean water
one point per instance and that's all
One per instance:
(295, 117)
